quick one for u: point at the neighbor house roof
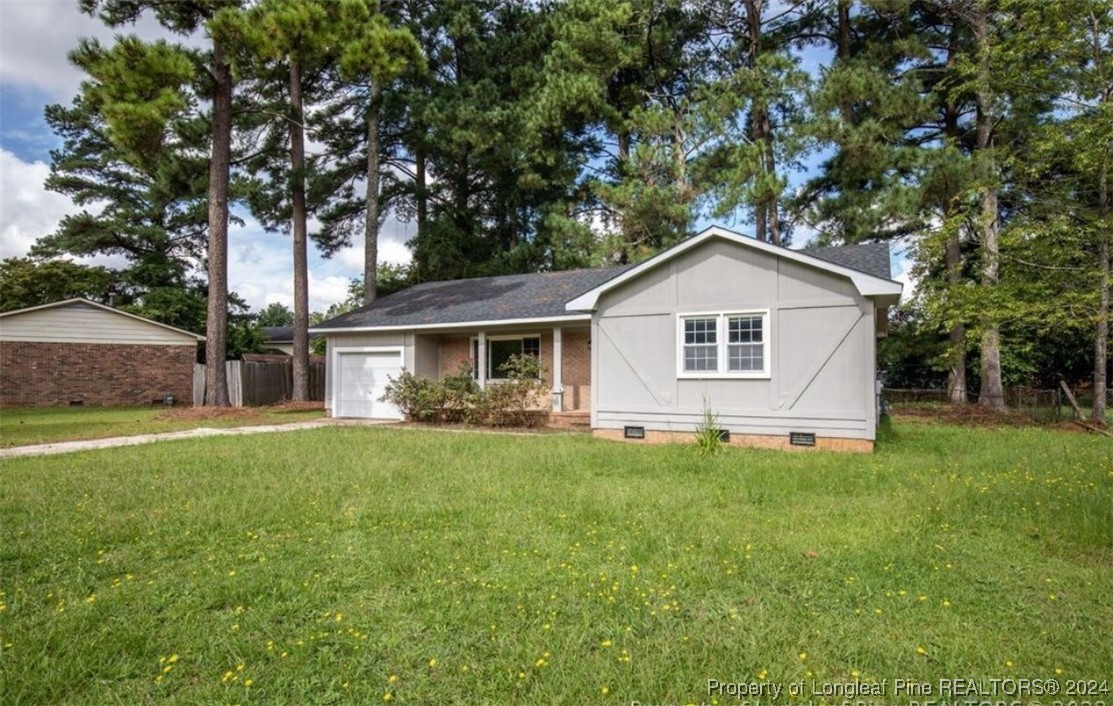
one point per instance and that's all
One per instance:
(536, 296)
(546, 296)
(278, 334)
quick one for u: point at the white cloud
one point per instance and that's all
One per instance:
(36, 36)
(27, 210)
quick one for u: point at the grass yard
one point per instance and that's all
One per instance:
(367, 565)
(20, 426)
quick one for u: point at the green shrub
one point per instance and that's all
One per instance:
(709, 435)
(458, 398)
(415, 396)
(510, 401)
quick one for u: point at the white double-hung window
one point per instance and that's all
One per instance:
(724, 344)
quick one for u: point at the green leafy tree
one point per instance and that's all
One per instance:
(276, 314)
(26, 282)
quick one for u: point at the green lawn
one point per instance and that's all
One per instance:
(43, 425)
(356, 565)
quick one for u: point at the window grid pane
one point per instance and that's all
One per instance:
(700, 331)
(744, 329)
(701, 359)
(745, 358)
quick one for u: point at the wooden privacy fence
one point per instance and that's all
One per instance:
(257, 383)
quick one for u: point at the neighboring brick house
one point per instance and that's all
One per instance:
(779, 344)
(79, 352)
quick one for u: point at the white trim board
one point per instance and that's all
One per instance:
(885, 290)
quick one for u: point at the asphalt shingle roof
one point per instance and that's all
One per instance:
(529, 296)
(536, 295)
(871, 258)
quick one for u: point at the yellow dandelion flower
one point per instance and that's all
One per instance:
(393, 679)
(167, 668)
(946, 604)
(91, 598)
(339, 617)
(248, 682)
(388, 696)
(604, 690)
(1008, 663)
(607, 643)
(433, 663)
(803, 656)
(172, 659)
(920, 650)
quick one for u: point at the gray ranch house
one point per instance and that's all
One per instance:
(779, 344)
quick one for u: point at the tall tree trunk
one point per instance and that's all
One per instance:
(1101, 335)
(420, 194)
(991, 394)
(628, 236)
(216, 324)
(761, 207)
(371, 227)
(845, 108)
(773, 202)
(300, 392)
(956, 337)
(952, 255)
(766, 221)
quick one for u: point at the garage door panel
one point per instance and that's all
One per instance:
(363, 378)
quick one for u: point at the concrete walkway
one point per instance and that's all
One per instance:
(65, 447)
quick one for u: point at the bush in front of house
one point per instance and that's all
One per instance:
(509, 401)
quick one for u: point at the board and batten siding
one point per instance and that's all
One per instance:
(82, 323)
(822, 339)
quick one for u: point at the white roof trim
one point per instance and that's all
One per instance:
(81, 300)
(568, 318)
(866, 284)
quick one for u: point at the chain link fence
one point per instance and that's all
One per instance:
(1045, 406)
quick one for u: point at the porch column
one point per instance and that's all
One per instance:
(481, 359)
(558, 371)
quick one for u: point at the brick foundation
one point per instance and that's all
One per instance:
(755, 441)
(94, 374)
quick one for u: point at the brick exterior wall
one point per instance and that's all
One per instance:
(96, 374)
(576, 371)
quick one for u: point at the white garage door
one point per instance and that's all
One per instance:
(362, 379)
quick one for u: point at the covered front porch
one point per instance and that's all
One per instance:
(564, 352)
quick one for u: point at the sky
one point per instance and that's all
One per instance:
(35, 37)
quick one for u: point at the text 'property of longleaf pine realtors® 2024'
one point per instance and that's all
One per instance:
(946, 689)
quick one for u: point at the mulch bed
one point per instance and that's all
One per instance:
(200, 414)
